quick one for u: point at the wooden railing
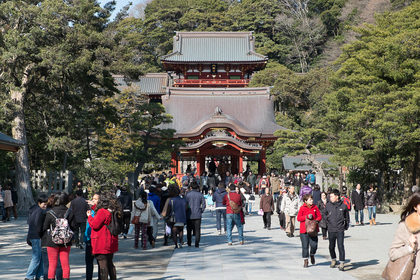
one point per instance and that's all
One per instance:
(210, 82)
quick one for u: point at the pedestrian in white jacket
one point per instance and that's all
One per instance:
(290, 207)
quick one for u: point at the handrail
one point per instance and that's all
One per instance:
(210, 82)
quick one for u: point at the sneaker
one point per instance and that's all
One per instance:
(357, 223)
(312, 259)
(333, 263)
(341, 266)
(220, 232)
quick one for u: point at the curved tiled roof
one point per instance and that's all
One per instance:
(8, 143)
(214, 47)
(248, 111)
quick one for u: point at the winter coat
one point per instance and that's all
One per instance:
(321, 207)
(304, 211)
(316, 195)
(371, 198)
(338, 218)
(156, 200)
(8, 202)
(278, 203)
(400, 246)
(49, 223)
(126, 200)
(267, 203)
(252, 180)
(179, 207)
(358, 200)
(275, 184)
(196, 204)
(79, 206)
(290, 204)
(233, 196)
(103, 242)
(306, 189)
(36, 217)
(147, 213)
(218, 196)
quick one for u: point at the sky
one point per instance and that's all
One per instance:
(120, 4)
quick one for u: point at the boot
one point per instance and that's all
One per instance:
(373, 221)
(305, 263)
(370, 222)
(312, 259)
(333, 263)
(165, 242)
(341, 266)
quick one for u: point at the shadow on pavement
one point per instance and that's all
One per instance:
(356, 265)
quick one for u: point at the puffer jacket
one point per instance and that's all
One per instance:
(306, 189)
(371, 198)
(290, 204)
(103, 242)
(147, 212)
(338, 218)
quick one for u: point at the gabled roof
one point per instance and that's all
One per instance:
(214, 47)
(248, 111)
(8, 143)
(302, 163)
(149, 84)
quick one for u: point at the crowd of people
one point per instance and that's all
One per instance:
(58, 222)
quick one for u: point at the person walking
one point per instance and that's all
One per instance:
(156, 200)
(407, 235)
(178, 207)
(308, 211)
(275, 185)
(338, 221)
(36, 218)
(58, 251)
(280, 213)
(290, 207)
(322, 204)
(8, 202)
(145, 210)
(79, 206)
(104, 244)
(89, 257)
(267, 206)
(2, 210)
(316, 194)
(371, 202)
(196, 204)
(15, 201)
(233, 203)
(251, 179)
(126, 200)
(218, 196)
(358, 201)
(306, 189)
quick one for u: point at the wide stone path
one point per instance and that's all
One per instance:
(265, 255)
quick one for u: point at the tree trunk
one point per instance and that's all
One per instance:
(23, 177)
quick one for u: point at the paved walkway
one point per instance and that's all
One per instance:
(265, 255)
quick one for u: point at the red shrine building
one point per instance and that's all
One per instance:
(224, 124)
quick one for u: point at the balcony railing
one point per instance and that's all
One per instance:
(210, 83)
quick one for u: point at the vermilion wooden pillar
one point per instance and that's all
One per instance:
(241, 164)
(174, 163)
(262, 168)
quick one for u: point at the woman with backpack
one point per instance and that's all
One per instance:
(104, 244)
(59, 224)
(146, 212)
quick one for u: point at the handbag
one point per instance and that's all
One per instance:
(402, 268)
(311, 227)
(170, 220)
(260, 212)
(135, 220)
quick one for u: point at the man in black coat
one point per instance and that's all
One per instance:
(36, 221)
(338, 221)
(358, 201)
(196, 206)
(126, 200)
(79, 206)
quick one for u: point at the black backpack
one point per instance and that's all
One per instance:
(115, 227)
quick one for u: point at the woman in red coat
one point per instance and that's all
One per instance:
(104, 244)
(310, 212)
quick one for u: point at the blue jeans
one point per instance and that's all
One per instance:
(372, 212)
(276, 195)
(219, 214)
(36, 267)
(250, 207)
(356, 215)
(234, 219)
